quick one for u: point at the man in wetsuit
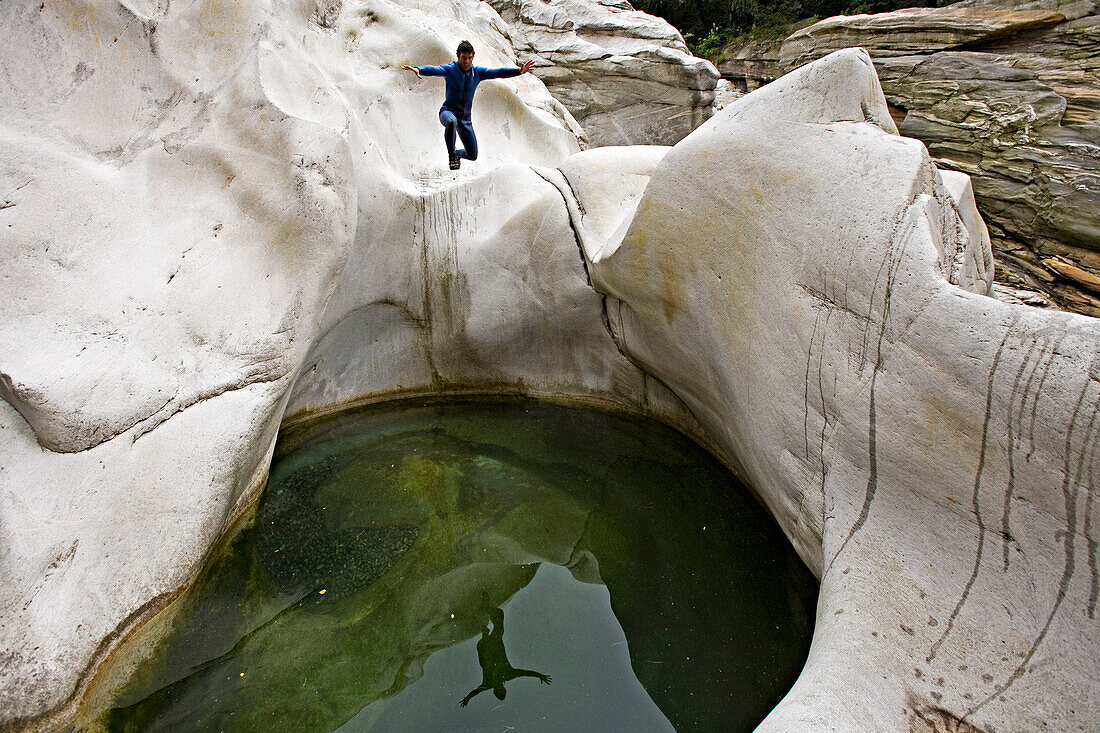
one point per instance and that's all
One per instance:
(462, 78)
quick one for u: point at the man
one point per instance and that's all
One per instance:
(462, 78)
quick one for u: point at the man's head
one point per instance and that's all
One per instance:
(465, 55)
(500, 692)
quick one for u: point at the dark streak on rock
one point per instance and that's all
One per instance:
(157, 420)
(1012, 440)
(831, 303)
(1039, 390)
(975, 498)
(806, 389)
(614, 339)
(1068, 539)
(1094, 582)
(890, 263)
(936, 719)
(569, 218)
(1088, 452)
(1090, 490)
(821, 396)
(420, 226)
(1043, 360)
(584, 263)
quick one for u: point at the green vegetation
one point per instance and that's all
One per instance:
(709, 25)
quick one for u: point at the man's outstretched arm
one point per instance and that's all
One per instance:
(506, 71)
(422, 71)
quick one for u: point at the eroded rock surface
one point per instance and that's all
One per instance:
(201, 202)
(207, 232)
(625, 75)
(930, 450)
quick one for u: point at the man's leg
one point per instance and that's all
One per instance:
(450, 124)
(469, 141)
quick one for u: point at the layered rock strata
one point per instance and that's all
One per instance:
(626, 76)
(222, 217)
(1009, 93)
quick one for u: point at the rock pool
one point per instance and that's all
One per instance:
(553, 568)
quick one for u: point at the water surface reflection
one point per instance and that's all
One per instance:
(371, 590)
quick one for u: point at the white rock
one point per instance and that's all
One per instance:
(235, 212)
(604, 188)
(725, 94)
(180, 206)
(626, 76)
(474, 285)
(971, 265)
(171, 236)
(930, 451)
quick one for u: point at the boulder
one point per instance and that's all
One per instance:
(929, 450)
(752, 64)
(912, 30)
(626, 76)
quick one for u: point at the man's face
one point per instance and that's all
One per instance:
(466, 60)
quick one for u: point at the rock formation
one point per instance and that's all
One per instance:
(184, 208)
(626, 76)
(907, 432)
(221, 217)
(1008, 93)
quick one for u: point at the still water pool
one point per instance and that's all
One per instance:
(485, 566)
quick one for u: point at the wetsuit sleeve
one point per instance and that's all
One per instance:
(501, 73)
(431, 70)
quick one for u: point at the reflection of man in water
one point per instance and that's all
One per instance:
(495, 669)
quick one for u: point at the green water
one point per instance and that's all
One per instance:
(399, 560)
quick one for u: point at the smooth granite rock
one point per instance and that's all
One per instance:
(206, 204)
(626, 76)
(220, 218)
(929, 450)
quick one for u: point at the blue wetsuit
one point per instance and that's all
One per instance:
(454, 115)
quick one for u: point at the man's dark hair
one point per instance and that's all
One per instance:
(465, 47)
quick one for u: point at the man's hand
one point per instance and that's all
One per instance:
(543, 678)
(415, 70)
(526, 66)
